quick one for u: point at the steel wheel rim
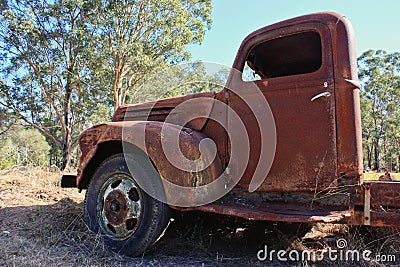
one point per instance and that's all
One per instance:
(119, 207)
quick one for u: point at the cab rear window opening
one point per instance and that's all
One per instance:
(294, 54)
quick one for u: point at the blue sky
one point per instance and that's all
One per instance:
(376, 23)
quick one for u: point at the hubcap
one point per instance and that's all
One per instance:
(120, 206)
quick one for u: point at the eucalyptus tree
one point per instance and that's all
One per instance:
(137, 38)
(63, 61)
(45, 76)
(379, 72)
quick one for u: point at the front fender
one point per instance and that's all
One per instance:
(147, 136)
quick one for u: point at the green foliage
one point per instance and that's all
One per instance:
(380, 101)
(23, 146)
(177, 80)
(45, 75)
(137, 38)
(63, 61)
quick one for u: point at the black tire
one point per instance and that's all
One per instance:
(118, 209)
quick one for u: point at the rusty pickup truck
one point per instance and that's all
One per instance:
(284, 145)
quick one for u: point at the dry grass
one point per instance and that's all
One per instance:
(381, 241)
(42, 224)
(375, 176)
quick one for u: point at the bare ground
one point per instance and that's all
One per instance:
(42, 224)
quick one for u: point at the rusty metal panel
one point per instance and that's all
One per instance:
(133, 133)
(379, 204)
(385, 218)
(214, 130)
(284, 213)
(378, 218)
(305, 158)
(160, 109)
(348, 117)
(279, 206)
(348, 112)
(327, 18)
(384, 193)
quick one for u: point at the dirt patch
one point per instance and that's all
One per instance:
(42, 224)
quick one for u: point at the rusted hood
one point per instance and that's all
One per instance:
(160, 109)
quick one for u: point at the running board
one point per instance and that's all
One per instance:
(281, 212)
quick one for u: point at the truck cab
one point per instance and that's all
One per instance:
(281, 141)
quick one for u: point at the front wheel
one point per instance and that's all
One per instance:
(117, 208)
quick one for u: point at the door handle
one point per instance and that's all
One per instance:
(324, 94)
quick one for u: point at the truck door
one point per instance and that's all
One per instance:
(292, 67)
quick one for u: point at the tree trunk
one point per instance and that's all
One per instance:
(66, 141)
(116, 95)
(370, 159)
(398, 163)
(377, 166)
(66, 148)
